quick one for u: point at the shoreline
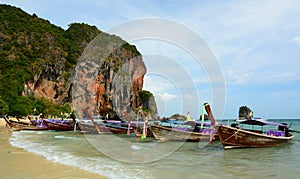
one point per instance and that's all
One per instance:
(19, 163)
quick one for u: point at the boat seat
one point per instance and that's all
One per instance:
(275, 133)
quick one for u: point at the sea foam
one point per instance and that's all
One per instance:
(98, 164)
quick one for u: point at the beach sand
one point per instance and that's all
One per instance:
(18, 163)
(2, 122)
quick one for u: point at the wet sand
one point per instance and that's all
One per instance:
(18, 163)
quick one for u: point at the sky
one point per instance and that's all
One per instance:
(255, 44)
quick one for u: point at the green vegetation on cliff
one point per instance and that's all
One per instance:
(145, 97)
(32, 48)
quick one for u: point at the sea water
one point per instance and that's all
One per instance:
(129, 157)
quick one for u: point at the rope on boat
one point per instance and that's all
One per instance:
(232, 135)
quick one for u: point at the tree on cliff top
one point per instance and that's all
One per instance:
(30, 44)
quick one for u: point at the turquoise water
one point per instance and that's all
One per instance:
(123, 157)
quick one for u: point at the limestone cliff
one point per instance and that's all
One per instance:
(109, 78)
(40, 59)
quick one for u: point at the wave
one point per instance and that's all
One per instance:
(65, 137)
(86, 160)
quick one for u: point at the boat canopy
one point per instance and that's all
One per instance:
(260, 123)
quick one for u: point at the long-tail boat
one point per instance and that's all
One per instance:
(116, 126)
(105, 127)
(63, 125)
(112, 127)
(236, 136)
(253, 132)
(24, 125)
(195, 132)
(87, 127)
(165, 134)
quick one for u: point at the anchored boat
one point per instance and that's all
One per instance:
(195, 131)
(251, 132)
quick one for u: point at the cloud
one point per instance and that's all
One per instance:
(280, 77)
(249, 37)
(159, 88)
(167, 96)
(296, 40)
(237, 78)
(256, 42)
(253, 44)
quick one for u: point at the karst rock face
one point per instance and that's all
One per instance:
(118, 91)
(108, 79)
(49, 83)
(97, 73)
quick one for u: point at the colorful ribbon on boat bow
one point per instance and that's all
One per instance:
(144, 135)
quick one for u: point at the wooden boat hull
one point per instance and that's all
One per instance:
(116, 129)
(59, 126)
(88, 128)
(232, 137)
(123, 129)
(102, 128)
(19, 125)
(164, 134)
(107, 128)
(138, 129)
